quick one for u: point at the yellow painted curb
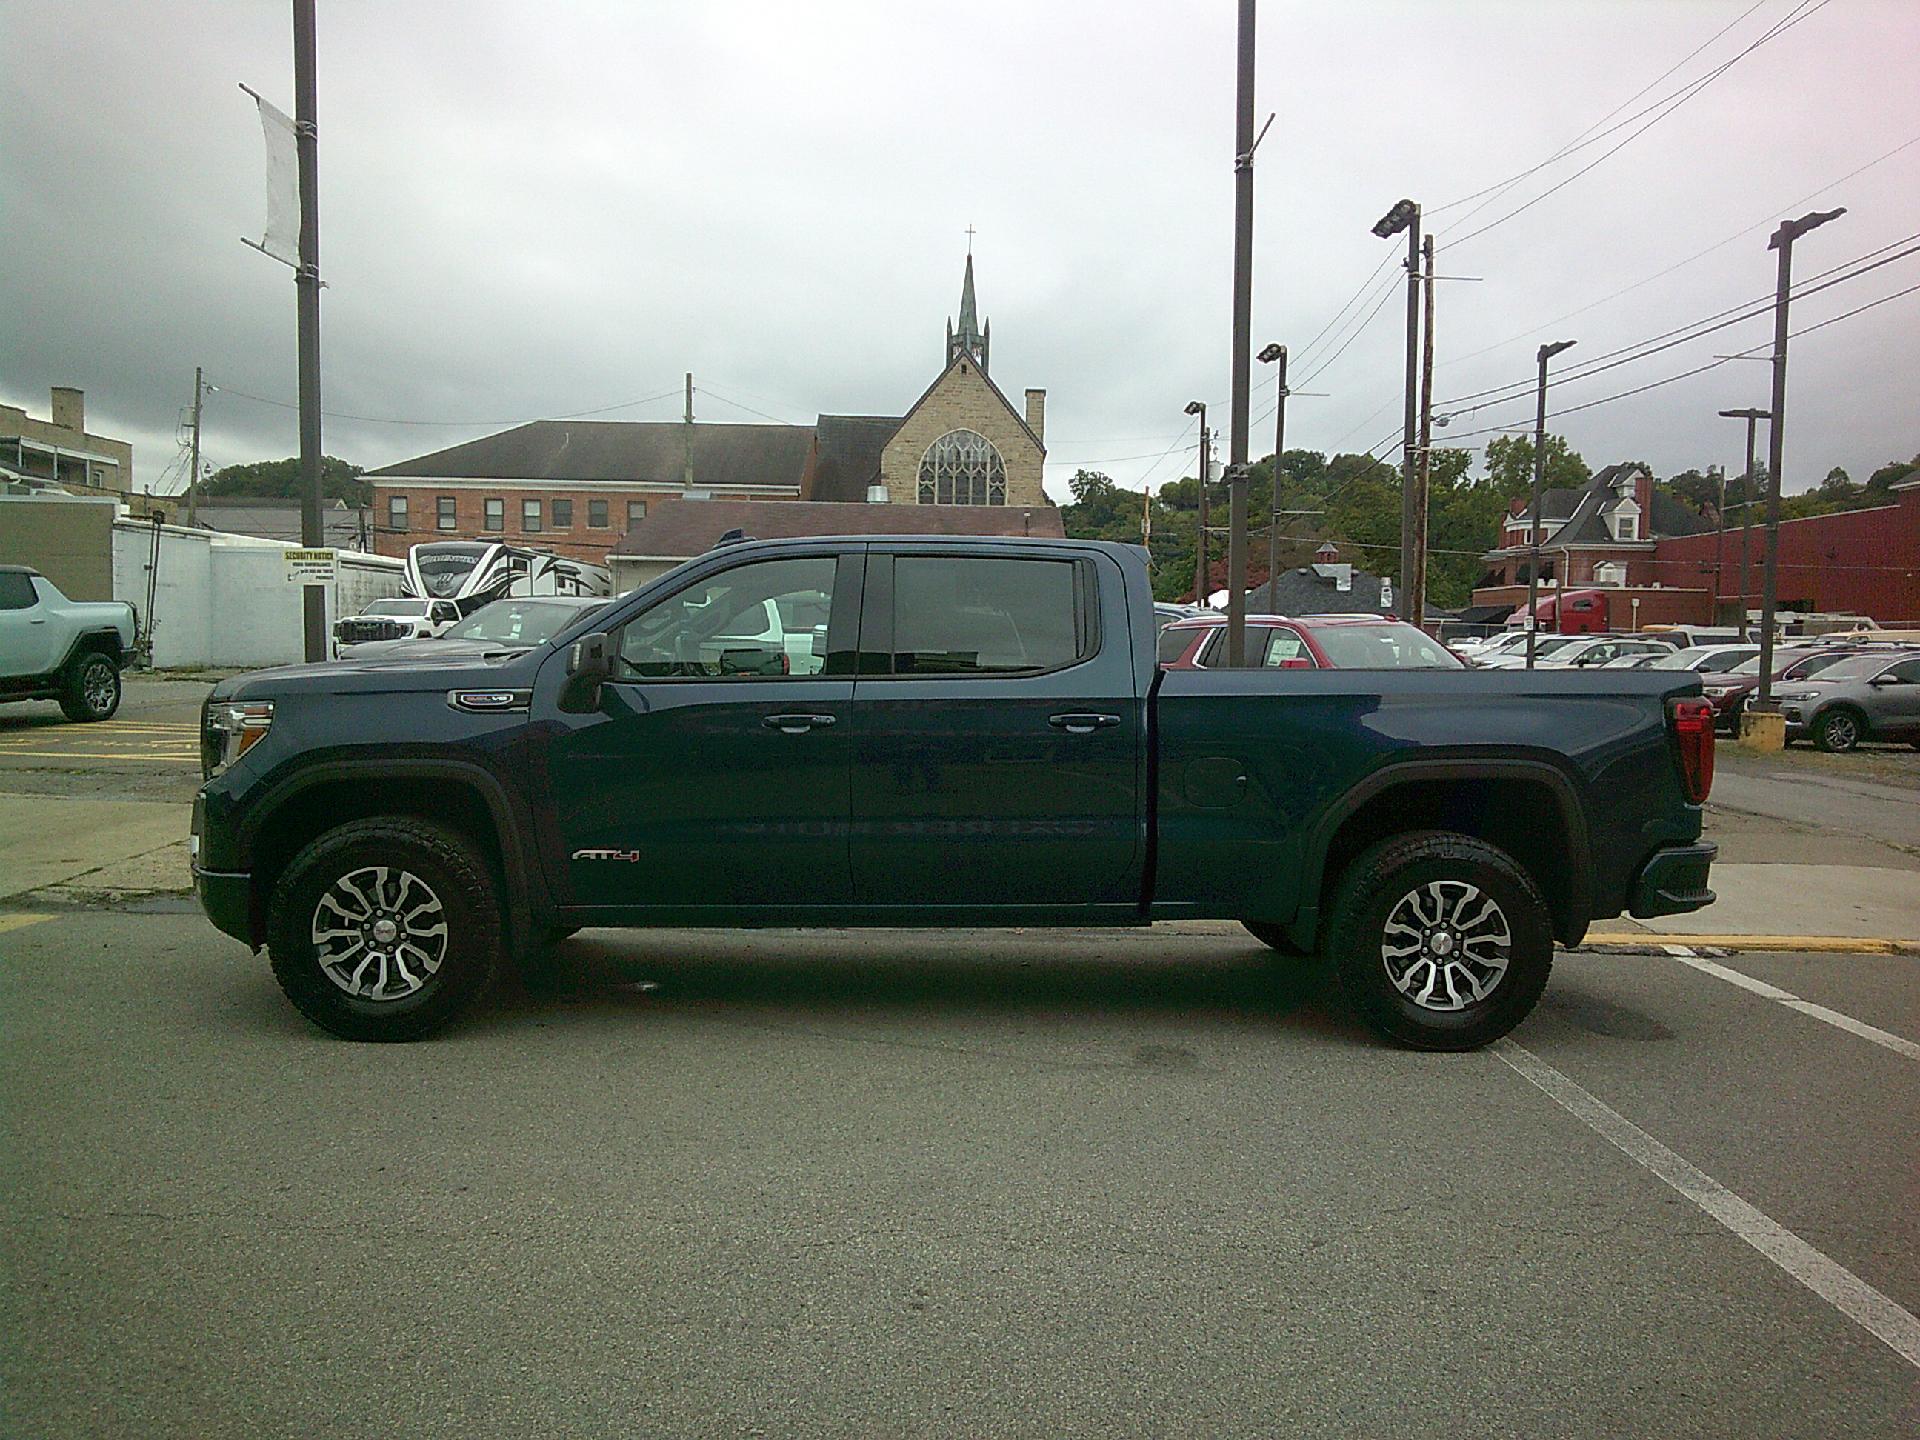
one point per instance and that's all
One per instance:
(1811, 944)
(20, 921)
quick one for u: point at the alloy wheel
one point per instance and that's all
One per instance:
(96, 685)
(1446, 945)
(379, 933)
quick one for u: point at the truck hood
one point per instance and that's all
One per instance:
(442, 667)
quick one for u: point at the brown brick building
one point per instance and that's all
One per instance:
(576, 487)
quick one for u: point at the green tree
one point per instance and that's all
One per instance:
(280, 479)
(1510, 465)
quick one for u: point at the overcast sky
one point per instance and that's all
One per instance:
(532, 209)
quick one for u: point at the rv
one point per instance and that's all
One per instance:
(472, 572)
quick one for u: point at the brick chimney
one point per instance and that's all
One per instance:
(1037, 414)
(69, 408)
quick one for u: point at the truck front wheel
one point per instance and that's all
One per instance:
(385, 929)
(1440, 941)
(90, 690)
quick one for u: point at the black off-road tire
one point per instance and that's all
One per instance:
(90, 689)
(1379, 879)
(1840, 730)
(456, 875)
(1276, 939)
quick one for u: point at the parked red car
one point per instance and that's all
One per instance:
(1306, 642)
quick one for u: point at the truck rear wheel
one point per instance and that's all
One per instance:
(1440, 941)
(385, 929)
(90, 690)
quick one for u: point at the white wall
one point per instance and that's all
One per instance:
(223, 600)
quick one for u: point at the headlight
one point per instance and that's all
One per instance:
(232, 728)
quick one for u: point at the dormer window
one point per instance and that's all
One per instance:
(1623, 527)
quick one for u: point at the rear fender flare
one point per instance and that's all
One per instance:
(1570, 926)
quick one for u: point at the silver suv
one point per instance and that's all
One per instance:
(1874, 695)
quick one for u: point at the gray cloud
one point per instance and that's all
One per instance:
(539, 209)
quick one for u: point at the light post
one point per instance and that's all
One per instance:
(1547, 352)
(1199, 407)
(1752, 417)
(1271, 355)
(1783, 238)
(1406, 216)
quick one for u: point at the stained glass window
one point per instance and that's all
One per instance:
(962, 468)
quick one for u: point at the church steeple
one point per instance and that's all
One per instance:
(970, 338)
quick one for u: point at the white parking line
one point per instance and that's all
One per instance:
(1899, 1044)
(1853, 1297)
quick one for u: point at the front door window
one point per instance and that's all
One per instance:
(767, 619)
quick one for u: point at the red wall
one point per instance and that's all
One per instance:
(1864, 561)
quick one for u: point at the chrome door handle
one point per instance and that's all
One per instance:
(1082, 724)
(794, 724)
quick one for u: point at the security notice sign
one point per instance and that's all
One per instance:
(310, 567)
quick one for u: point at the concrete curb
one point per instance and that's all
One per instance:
(1802, 944)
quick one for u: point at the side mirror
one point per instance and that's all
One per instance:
(1885, 680)
(589, 666)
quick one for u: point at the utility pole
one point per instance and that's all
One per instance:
(307, 287)
(1783, 238)
(1276, 354)
(1406, 216)
(1752, 417)
(1417, 583)
(1243, 144)
(686, 475)
(1198, 407)
(193, 470)
(1547, 352)
(1719, 472)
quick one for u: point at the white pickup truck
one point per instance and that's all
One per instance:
(53, 648)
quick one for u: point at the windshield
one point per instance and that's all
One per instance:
(1174, 643)
(1850, 667)
(525, 623)
(396, 607)
(1383, 647)
(1678, 660)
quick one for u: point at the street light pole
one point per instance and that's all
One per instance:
(1783, 238)
(1406, 216)
(1547, 352)
(1243, 143)
(1416, 604)
(1752, 417)
(1198, 407)
(307, 290)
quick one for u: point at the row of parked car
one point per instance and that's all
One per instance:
(1833, 692)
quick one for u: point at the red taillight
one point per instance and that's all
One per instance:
(1692, 725)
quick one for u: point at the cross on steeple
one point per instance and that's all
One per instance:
(970, 233)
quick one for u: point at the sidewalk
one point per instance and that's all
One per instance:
(1853, 901)
(79, 850)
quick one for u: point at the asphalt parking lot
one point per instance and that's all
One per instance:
(975, 1183)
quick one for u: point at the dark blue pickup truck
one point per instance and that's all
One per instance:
(918, 732)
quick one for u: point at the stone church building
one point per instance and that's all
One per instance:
(961, 460)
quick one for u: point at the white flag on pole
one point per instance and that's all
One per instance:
(281, 238)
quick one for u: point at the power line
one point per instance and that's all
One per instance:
(451, 424)
(1768, 219)
(1692, 330)
(1587, 136)
(728, 400)
(1673, 103)
(1358, 330)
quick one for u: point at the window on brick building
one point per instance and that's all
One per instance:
(597, 514)
(396, 512)
(636, 512)
(496, 515)
(563, 514)
(962, 468)
(447, 517)
(530, 516)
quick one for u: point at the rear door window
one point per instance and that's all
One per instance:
(998, 615)
(1286, 645)
(1173, 644)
